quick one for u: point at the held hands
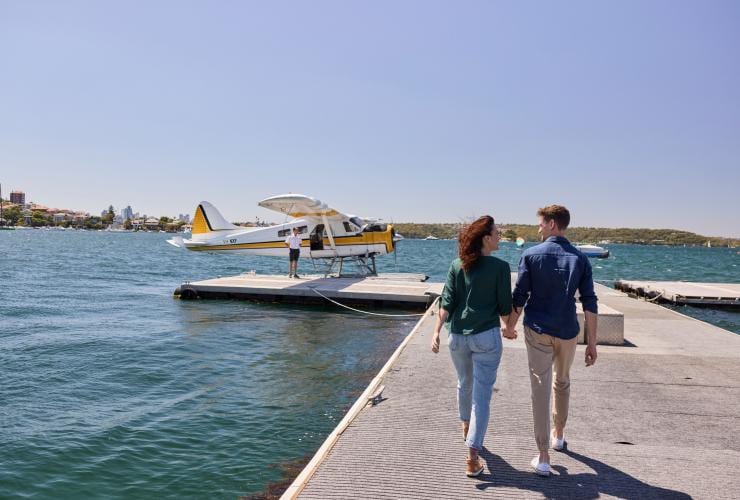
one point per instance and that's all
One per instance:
(590, 354)
(508, 333)
(435, 342)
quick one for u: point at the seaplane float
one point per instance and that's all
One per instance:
(328, 235)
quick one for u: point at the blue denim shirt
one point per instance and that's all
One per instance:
(549, 275)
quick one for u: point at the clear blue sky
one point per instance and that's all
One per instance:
(627, 112)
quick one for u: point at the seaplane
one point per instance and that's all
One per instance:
(328, 236)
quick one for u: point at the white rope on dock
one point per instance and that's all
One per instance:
(656, 297)
(364, 312)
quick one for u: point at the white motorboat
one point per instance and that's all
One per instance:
(431, 237)
(593, 251)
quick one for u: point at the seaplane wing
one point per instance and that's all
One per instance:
(299, 205)
(325, 232)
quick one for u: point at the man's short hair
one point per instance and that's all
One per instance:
(558, 213)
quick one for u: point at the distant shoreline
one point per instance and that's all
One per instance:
(598, 235)
(574, 235)
(444, 231)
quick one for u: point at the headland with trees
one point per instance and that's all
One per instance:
(528, 232)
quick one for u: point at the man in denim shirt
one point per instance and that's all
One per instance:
(549, 275)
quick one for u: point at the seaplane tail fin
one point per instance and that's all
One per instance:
(208, 218)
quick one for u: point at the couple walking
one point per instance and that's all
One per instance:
(478, 292)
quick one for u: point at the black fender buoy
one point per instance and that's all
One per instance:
(187, 293)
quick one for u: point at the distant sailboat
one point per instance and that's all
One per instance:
(709, 244)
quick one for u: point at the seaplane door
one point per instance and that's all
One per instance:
(316, 238)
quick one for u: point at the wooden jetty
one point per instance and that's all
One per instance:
(409, 291)
(657, 417)
(684, 293)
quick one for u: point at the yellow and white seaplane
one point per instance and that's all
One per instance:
(327, 234)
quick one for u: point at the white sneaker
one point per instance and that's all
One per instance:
(540, 468)
(557, 444)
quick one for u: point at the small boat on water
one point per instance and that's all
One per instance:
(431, 237)
(593, 251)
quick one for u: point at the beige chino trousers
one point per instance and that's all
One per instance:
(547, 354)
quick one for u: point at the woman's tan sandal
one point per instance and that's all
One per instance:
(475, 467)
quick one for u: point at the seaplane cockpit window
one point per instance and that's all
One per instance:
(348, 227)
(357, 222)
(375, 228)
(284, 233)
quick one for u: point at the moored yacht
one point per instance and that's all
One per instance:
(593, 251)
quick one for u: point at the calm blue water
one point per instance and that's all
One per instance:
(109, 387)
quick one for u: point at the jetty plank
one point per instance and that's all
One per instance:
(656, 418)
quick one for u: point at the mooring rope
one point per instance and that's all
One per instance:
(364, 312)
(656, 297)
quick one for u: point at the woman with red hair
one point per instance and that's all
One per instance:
(477, 293)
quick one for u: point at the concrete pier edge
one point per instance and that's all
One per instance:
(362, 401)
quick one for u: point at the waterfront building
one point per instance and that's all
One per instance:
(127, 213)
(18, 197)
(152, 223)
(60, 217)
(35, 207)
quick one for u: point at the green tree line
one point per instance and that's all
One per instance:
(575, 234)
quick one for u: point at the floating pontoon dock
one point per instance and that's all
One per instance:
(409, 291)
(658, 417)
(684, 293)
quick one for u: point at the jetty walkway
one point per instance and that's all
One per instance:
(658, 417)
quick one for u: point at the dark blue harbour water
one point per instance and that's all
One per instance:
(109, 387)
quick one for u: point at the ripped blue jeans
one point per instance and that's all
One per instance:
(476, 358)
